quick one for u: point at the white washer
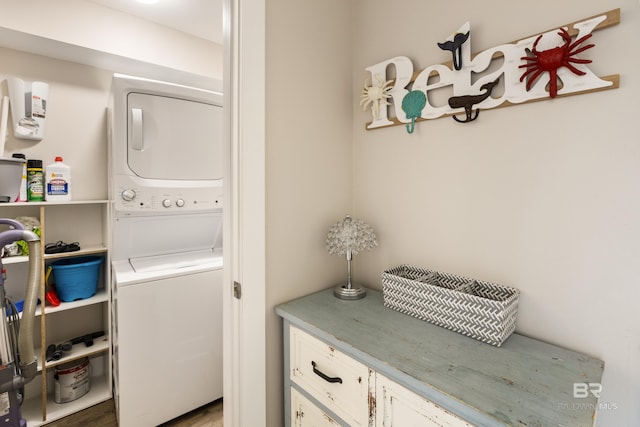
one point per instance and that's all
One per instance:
(166, 187)
(169, 335)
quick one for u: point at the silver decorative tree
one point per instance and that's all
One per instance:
(348, 237)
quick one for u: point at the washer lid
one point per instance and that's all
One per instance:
(149, 269)
(174, 262)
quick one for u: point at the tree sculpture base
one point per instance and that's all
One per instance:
(349, 292)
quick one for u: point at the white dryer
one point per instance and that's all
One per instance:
(166, 188)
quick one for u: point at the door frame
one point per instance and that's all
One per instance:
(244, 213)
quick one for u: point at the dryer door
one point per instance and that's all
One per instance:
(173, 139)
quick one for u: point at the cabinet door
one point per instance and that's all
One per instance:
(398, 407)
(305, 414)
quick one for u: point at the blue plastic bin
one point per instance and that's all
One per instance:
(76, 278)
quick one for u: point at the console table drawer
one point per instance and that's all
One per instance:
(337, 381)
(305, 414)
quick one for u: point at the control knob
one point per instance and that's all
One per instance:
(128, 195)
(166, 203)
(180, 203)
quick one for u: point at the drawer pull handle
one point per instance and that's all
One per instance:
(325, 376)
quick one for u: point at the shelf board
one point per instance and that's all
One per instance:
(100, 345)
(88, 250)
(101, 296)
(72, 202)
(15, 260)
(32, 407)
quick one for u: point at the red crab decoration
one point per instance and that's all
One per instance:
(551, 59)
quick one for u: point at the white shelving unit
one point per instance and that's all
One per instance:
(85, 222)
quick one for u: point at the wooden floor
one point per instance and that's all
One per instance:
(104, 415)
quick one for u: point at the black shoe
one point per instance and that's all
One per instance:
(60, 246)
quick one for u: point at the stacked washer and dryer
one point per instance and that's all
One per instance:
(166, 189)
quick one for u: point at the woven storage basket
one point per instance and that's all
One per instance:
(481, 310)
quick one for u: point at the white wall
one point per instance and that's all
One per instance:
(542, 197)
(309, 158)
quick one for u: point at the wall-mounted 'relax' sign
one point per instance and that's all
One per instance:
(543, 66)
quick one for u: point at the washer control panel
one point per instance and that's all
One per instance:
(145, 200)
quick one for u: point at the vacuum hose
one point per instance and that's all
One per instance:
(25, 339)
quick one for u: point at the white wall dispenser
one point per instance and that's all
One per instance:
(28, 108)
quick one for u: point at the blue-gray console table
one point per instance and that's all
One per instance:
(359, 363)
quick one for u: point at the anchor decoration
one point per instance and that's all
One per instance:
(412, 104)
(468, 101)
(455, 46)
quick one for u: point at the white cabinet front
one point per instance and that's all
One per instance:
(398, 407)
(337, 381)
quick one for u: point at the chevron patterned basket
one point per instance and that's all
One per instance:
(481, 310)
